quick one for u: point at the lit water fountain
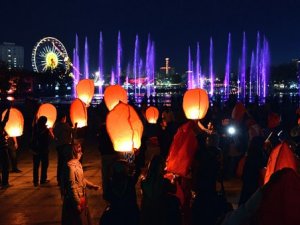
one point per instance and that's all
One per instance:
(265, 67)
(198, 68)
(227, 69)
(147, 65)
(190, 71)
(101, 66)
(136, 60)
(112, 77)
(86, 59)
(152, 68)
(76, 65)
(119, 56)
(243, 69)
(211, 67)
(252, 77)
(258, 64)
(127, 76)
(139, 74)
(238, 79)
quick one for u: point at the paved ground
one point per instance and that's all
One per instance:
(24, 204)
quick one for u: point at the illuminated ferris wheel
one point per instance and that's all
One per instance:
(49, 54)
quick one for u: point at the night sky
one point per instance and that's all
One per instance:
(173, 25)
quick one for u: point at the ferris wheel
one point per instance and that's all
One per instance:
(49, 54)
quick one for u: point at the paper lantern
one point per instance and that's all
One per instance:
(124, 128)
(85, 90)
(15, 124)
(195, 103)
(78, 113)
(238, 112)
(48, 110)
(113, 95)
(152, 114)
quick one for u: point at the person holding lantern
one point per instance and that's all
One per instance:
(41, 138)
(63, 135)
(75, 210)
(108, 155)
(4, 160)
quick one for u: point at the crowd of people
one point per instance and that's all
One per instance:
(225, 145)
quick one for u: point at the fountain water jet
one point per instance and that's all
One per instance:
(243, 68)
(86, 59)
(211, 69)
(119, 56)
(252, 77)
(227, 69)
(101, 66)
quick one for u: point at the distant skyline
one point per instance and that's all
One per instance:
(174, 26)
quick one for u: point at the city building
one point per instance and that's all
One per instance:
(12, 55)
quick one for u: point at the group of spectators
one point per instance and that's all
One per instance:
(197, 197)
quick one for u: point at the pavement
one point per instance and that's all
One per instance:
(24, 204)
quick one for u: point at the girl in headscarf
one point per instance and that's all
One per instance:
(73, 187)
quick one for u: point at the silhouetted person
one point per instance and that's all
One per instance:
(255, 162)
(121, 195)
(41, 138)
(4, 160)
(63, 135)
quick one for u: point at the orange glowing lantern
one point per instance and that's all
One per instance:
(152, 114)
(78, 113)
(124, 127)
(113, 95)
(85, 90)
(48, 110)
(15, 124)
(195, 103)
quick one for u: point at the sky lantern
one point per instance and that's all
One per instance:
(238, 112)
(49, 111)
(195, 103)
(152, 114)
(124, 127)
(85, 90)
(15, 124)
(113, 95)
(78, 113)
